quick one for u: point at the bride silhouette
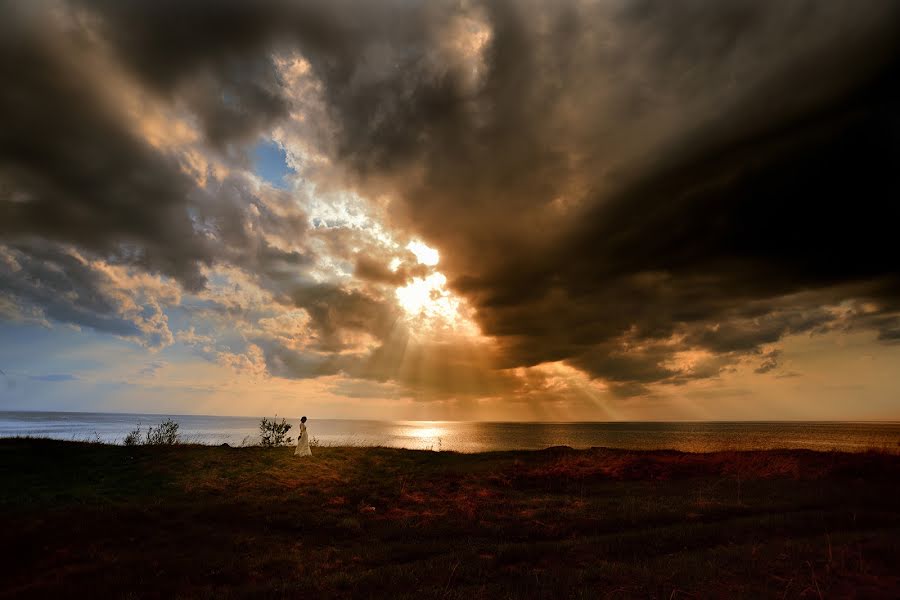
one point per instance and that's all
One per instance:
(303, 440)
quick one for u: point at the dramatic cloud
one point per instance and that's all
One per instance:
(46, 281)
(638, 193)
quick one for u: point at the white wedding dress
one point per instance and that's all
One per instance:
(303, 442)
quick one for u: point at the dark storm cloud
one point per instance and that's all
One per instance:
(372, 269)
(377, 269)
(288, 363)
(74, 170)
(595, 196)
(335, 311)
(70, 169)
(77, 178)
(217, 55)
(609, 184)
(212, 54)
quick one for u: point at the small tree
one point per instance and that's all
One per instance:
(164, 434)
(272, 433)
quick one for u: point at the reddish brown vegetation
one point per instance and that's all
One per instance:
(612, 464)
(102, 521)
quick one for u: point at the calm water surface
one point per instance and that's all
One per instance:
(475, 437)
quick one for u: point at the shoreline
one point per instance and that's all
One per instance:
(478, 437)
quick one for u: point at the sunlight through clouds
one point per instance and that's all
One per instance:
(424, 254)
(430, 305)
(468, 209)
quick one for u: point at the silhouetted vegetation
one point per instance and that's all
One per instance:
(380, 522)
(133, 438)
(272, 433)
(164, 434)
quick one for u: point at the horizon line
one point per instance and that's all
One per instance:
(174, 414)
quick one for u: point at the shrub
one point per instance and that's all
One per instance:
(134, 436)
(272, 433)
(95, 439)
(164, 434)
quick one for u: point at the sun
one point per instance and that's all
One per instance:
(428, 303)
(428, 296)
(424, 254)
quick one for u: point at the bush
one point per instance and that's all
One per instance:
(272, 433)
(134, 436)
(164, 434)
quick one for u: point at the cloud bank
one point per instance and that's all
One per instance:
(644, 193)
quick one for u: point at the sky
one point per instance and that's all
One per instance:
(452, 209)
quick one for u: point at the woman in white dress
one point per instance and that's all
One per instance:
(303, 440)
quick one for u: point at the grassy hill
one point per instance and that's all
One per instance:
(92, 520)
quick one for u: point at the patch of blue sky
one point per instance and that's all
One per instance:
(183, 318)
(270, 163)
(54, 377)
(30, 349)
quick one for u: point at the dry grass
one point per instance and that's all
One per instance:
(193, 521)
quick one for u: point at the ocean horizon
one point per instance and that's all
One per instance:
(475, 436)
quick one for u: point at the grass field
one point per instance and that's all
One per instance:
(100, 521)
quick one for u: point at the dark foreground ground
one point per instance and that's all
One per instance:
(89, 520)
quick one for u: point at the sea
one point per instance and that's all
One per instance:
(472, 436)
